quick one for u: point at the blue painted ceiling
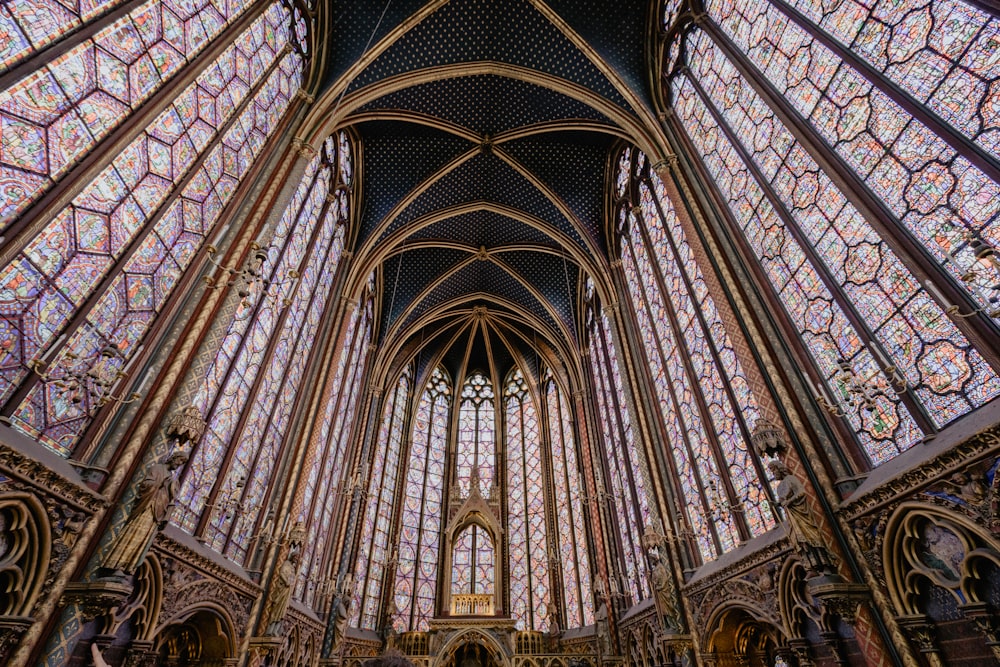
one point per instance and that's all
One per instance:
(485, 130)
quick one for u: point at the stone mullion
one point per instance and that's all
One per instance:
(712, 438)
(546, 444)
(643, 370)
(981, 330)
(711, 343)
(205, 516)
(843, 454)
(142, 442)
(906, 398)
(403, 467)
(344, 539)
(80, 317)
(309, 450)
(296, 407)
(639, 418)
(881, 634)
(33, 219)
(961, 144)
(342, 489)
(607, 492)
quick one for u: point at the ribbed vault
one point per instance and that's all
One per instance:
(485, 131)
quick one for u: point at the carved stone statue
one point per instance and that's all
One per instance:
(663, 589)
(803, 530)
(281, 593)
(602, 629)
(341, 606)
(149, 515)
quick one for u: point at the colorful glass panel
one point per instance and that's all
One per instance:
(936, 195)
(941, 52)
(107, 223)
(626, 479)
(54, 116)
(473, 562)
(947, 376)
(242, 352)
(377, 521)
(476, 428)
(324, 484)
(416, 574)
(527, 536)
(571, 528)
(686, 343)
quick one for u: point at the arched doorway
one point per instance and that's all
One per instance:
(201, 640)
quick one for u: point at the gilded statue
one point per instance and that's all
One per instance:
(803, 530)
(149, 516)
(663, 589)
(281, 593)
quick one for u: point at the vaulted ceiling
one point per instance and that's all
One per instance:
(485, 129)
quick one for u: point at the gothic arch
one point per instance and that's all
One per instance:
(924, 543)
(473, 636)
(24, 552)
(736, 628)
(207, 619)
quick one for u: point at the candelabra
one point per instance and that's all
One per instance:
(96, 375)
(862, 393)
(247, 278)
(980, 276)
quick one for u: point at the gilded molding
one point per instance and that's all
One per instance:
(36, 473)
(916, 478)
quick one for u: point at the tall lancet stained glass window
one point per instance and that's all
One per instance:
(373, 549)
(325, 484)
(846, 196)
(473, 562)
(568, 487)
(421, 521)
(248, 392)
(627, 480)
(476, 435)
(704, 397)
(84, 290)
(527, 529)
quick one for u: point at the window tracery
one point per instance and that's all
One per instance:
(378, 516)
(705, 400)
(421, 520)
(527, 532)
(889, 348)
(249, 391)
(568, 486)
(624, 469)
(476, 435)
(96, 277)
(324, 481)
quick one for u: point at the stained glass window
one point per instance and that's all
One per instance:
(476, 429)
(890, 355)
(627, 482)
(943, 55)
(251, 413)
(704, 397)
(578, 601)
(53, 116)
(419, 538)
(109, 261)
(526, 526)
(378, 516)
(473, 562)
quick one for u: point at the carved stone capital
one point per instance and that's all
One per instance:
(96, 598)
(12, 628)
(920, 629)
(838, 597)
